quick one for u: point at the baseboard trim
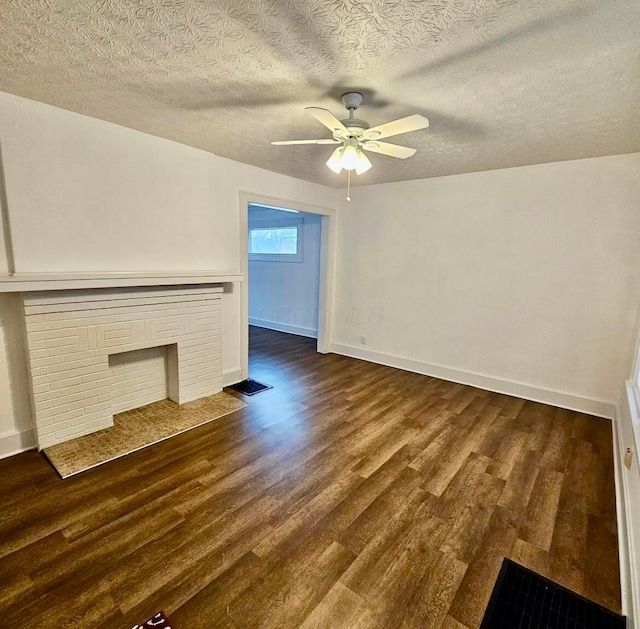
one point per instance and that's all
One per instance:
(231, 376)
(16, 442)
(284, 327)
(590, 406)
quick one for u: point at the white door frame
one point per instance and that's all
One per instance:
(327, 266)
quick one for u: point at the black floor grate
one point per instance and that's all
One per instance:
(522, 599)
(249, 387)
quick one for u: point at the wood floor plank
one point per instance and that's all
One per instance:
(348, 495)
(434, 594)
(601, 580)
(568, 552)
(339, 609)
(531, 556)
(475, 590)
(391, 583)
(542, 509)
(451, 623)
(292, 589)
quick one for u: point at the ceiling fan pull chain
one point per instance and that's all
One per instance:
(348, 185)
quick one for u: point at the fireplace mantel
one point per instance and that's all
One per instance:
(28, 282)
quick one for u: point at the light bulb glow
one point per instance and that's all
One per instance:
(335, 161)
(349, 157)
(363, 164)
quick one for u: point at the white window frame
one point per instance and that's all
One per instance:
(298, 223)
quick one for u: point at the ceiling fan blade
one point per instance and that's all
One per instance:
(396, 127)
(392, 150)
(325, 117)
(323, 141)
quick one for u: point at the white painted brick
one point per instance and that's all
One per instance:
(99, 380)
(33, 326)
(61, 333)
(82, 339)
(40, 388)
(78, 388)
(74, 322)
(69, 433)
(45, 421)
(61, 350)
(99, 391)
(81, 403)
(62, 367)
(99, 408)
(195, 351)
(69, 415)
(52, 428)
(63, 384)
(93, 361)
(115, 331)
(49, 361)
(195, 367)
(81, 423)
(121, 320)
(73, 373)
(51, 412)
(69, 343)
(42, 310)
(98, 424)
(74, 400)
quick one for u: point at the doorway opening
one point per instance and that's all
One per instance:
(287, 251)
(284, 269)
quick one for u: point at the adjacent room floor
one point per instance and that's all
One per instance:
(349, 495)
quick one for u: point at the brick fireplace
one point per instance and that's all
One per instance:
(76, 345)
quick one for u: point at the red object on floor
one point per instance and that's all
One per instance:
(159, 621)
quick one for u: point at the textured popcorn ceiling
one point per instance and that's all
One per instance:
(503, 82)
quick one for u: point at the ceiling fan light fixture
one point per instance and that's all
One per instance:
(335, 161)
(349, 157)
(363, 164)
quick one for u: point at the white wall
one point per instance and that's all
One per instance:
(88, 195)
(284, 295)
(524, 280)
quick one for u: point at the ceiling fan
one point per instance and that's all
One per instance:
(355, 136)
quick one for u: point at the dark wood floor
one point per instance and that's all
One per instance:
(349, 495)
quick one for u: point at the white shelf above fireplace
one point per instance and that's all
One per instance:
(27, 282)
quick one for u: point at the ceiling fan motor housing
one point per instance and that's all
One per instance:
(355, 123)
(352, 100)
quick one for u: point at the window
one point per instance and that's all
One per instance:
(276, 242)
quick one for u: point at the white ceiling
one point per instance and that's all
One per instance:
(503, 82)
